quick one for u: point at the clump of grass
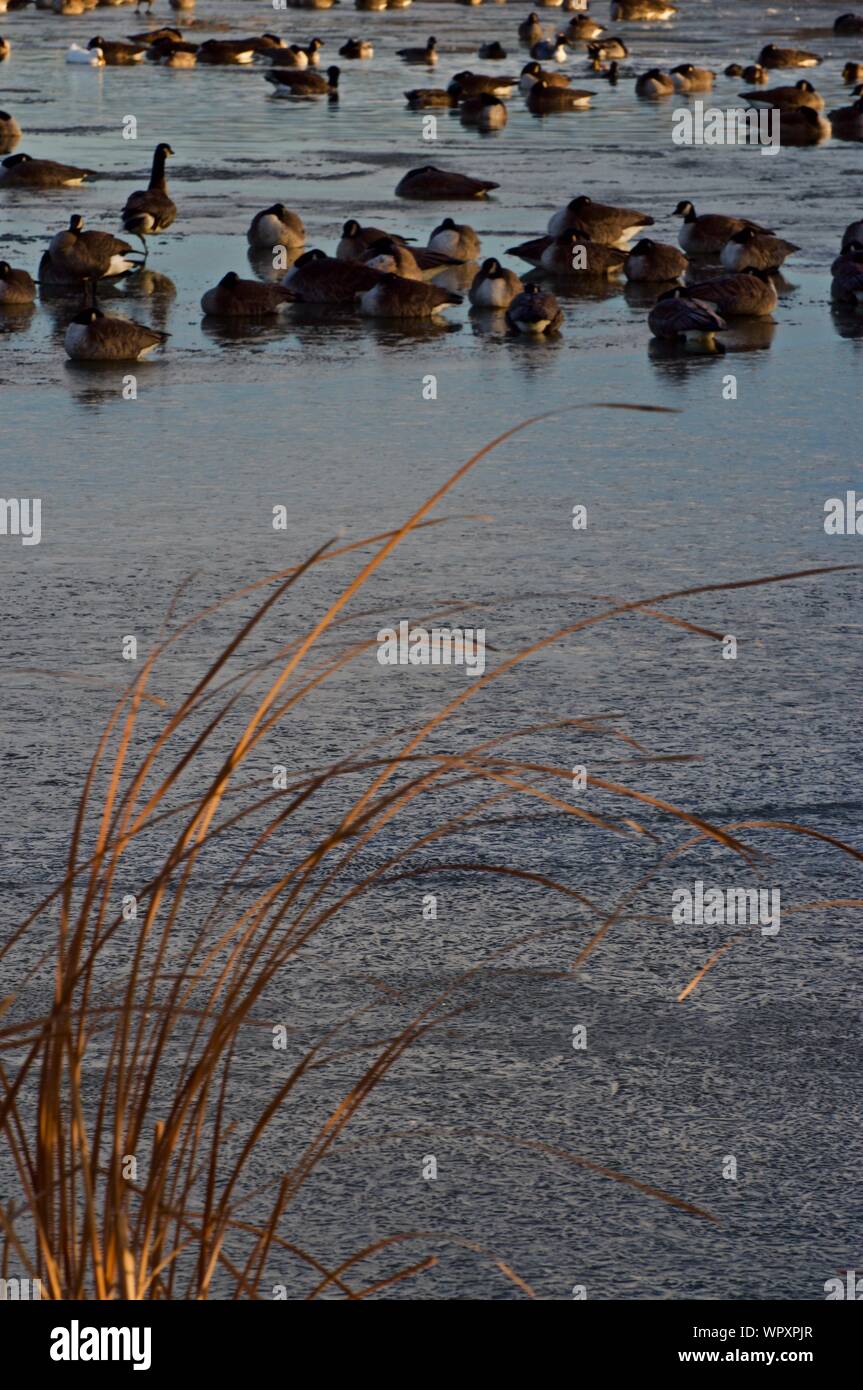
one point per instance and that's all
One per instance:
(85, 1225)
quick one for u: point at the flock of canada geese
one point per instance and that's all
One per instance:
(377, 271)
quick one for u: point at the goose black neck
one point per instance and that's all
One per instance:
(157, 177)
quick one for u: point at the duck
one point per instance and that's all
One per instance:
(607, 48)
(761, 250)
(85, 57)
(554, 49)
(543, 98)
(787, 98)
(601, 221)
(169, 53)
(486, 112)
(535, 312)
(688, 78)
(23, 171)
(750, 294)
(644, 11)
(421, 98)
(848, 25)
(429, 54)
(276, 226)
(226, 51)
(847, 121)
(852, 72)
(706, 234)
(96, 337)
(473, 84)
(771, 56)
(74, 254)
(357, 48)
(395, 298)
(654, 84)
(492, 52)
(582, 28)
(493, 287)
(678, 314)
(654, 260)
(803, 126)
(10, 132)
(151, 210)
(430, 182)
(356, 240)
(530, 29)
(236, 298)
(533, 71)
(755, 75)
(316, 278)
(455, 239)
(304, 85)
(118, 54)
(16, 286)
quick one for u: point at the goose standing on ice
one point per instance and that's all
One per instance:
(151, 210)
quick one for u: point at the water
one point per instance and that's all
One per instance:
(328, 419)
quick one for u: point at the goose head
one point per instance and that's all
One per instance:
(685, 209)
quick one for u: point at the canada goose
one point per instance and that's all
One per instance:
(574, 253)
(493, 287)
(852, 72)
(356, 48)
(95, 337)
(150, 210)
(678, 314)
(5, 48)
(608, 48)
(236, 298)
(429, 54)
(601, 221)
(485, 111)
(771, 56)
(787, 98)
(432, 183)
(119, 54)
(68, 7)
(16, 286)
(170, 53)
(395, 298)
(392, 257)
(847, 270)
(534, 311)
(455, 239)
(492, 52)
(224, 51)
(803, 126)
(267, 45)
(156, 35)
(654, 84)
(581, 29)
(473, 84)
(751, 294)
(375, 5)
(276, 226)
(756, 75)
(543, 99)
(10, 132)
(312, 51)
(847, 121)
(74, 254)
(182, 4)
(848, 25)
(23, 171)
(761, 250)
(653, 260)
(532, 72)
(611, 73)
(554, 49)
(85, 57)
(304, 85)
(530, 29)
(356, 240)
(733, 70)
(704, 235)
(643, 10)
(292, 56)
(420, 98)
(853, 233)
(688, 78)
(316, 278)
